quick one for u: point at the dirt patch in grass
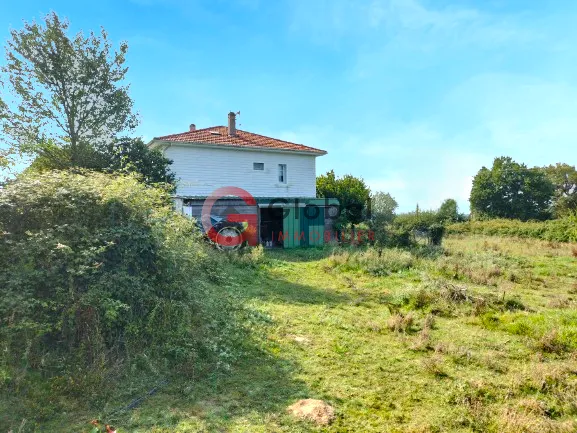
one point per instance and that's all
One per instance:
(317, 411)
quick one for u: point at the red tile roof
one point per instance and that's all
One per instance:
(218, 135)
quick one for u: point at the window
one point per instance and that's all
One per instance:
(282, 173)
(258, 165)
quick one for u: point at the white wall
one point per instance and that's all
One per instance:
(201, 170)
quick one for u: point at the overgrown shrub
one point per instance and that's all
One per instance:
(406, 229)
(443, 298)
(559, 230)
(389, 236)
(97, 269)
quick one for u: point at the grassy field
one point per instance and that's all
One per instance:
(477, 336)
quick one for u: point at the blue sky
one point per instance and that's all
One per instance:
(412, 95)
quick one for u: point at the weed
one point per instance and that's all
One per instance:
(374, 326)
(423, 339)
(551, 342)
(422, 298)
(401, 322)
(433, 365)
(559, 302)
(513, 305)
(429, 322)
(372, 261)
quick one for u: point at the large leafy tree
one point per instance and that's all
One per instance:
(352, 192)
(564, 178)
(67, 91)
(511, 190)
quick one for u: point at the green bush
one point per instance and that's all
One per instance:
(97, 269)
(559, 230)
(406, 228)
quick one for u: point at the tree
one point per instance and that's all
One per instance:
(67, 92)
(383, 207)
(564, 178)
(511, 190)
(127, 155)
(449, 211)
(352, 192)
(8, 151)
(132, 155)
(426, 223)
(51, 156)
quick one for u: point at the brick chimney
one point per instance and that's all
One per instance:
(231, 124)
(192, 127)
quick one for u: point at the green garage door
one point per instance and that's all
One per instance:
(304, 226)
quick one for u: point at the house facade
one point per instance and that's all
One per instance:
(279, 175)
(210, 158)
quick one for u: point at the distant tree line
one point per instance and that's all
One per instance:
(507, 190)
(376, 211)
(514, 191)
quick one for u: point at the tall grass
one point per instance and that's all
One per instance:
(373, 261)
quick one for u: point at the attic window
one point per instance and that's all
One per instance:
(258, 165)
(214, 133)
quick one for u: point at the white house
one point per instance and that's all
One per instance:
(210, 158)
(279, 175)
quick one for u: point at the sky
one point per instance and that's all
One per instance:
(414, 96)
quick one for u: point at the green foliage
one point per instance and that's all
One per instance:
(403, 230)
(449, 211)
(66, 90)
(133, 155)
(420, 220)
(425, 223)
(53, 156)
(97, 270)
(383, 207)
(511, 190)
(564, 178)
(391, 235)
(353, 195)
(559, 230)
(436, 233)
(126, 155)
(473, 350)
(373, 261)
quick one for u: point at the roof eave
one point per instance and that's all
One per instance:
(157, 142)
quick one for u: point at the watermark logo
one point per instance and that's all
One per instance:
(234, 229)
(230, 219)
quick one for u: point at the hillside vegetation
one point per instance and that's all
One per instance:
(478, 335)
(103, 283)
(558, 230)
